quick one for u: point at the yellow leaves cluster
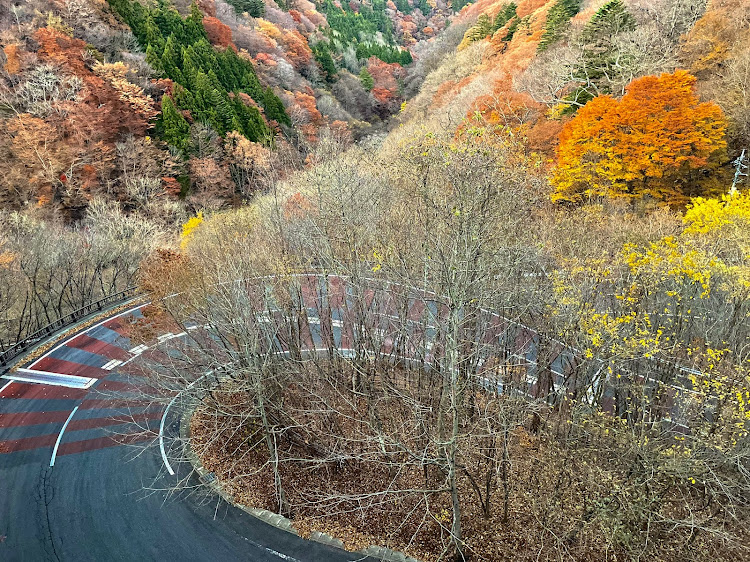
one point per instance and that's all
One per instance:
(116, 75)
(56, 23)
(707, 215)
(726, 388)
(668, 259)
(188, 229)
(722, 226)
(7, 259)
(268, 29)
(378, 260)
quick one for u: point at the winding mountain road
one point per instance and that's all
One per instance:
(76, 485)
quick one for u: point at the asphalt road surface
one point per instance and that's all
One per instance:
(77, 482)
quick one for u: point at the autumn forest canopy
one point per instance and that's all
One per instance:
(537, 213)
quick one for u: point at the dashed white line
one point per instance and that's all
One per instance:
(170, 336)
(112, 364)
(59, 437)
(86, 331)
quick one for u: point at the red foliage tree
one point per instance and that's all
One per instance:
(100, 114)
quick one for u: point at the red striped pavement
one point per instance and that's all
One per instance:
(98, 347)
(27, 443)
(33, 418)
(94, 423)
(74, 447)
(30, 391)
(111, 404)
(119, 325)
(53, 365)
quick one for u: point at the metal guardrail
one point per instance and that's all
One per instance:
(30, 341)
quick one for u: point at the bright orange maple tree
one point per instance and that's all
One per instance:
(658, 141)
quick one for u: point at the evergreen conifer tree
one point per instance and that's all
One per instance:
(324, 58)
(203, 76)
(366, 78)
(256, 8)
(171, 61)
(274, 108)
(184, 99)
(153, 36)
(153, 58)
(190, 68)
(504, 16)
(558, 21)
(173, 127)
(193, 25)
(608, 21)
(599, 62)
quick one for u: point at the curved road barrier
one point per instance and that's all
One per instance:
(20, 348)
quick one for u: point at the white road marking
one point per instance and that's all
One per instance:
(129, 360)
(164, 417)
(112, 364)
(59, 437)
(169, 336)
(59, 379)
(54, 379)
(277, 553)
(88, 330)
(161, 438)
(138, 349)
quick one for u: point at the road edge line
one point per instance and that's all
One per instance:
(59, 437)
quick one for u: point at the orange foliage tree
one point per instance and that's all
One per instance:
(66, 156)
(218, 33)
(659, 141)
(385, 77)
(505, 110)
(296, 50)
(13, 60)
(104, 113)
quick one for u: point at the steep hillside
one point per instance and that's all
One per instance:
(143, 102)
(531, 66)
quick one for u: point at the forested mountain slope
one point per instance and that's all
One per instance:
(146, 101)
(532, 66)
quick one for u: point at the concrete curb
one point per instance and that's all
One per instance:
(279, 521)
